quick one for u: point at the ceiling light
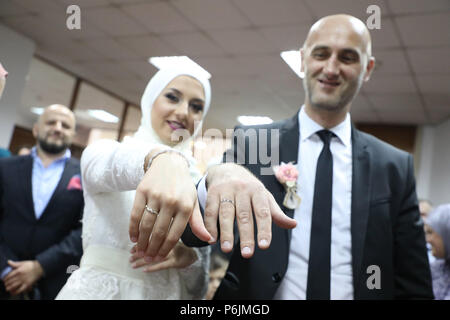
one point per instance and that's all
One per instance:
(37, 110)
(102, 115)
(292, 58)
(253, 120)
(182, 61)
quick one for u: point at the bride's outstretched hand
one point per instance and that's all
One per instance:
(165, 201)
(179, 257)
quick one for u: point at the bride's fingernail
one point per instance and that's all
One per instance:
(133, 239)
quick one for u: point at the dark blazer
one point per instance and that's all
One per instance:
(386, 227)
(55, 239)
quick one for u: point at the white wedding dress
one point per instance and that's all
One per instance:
(109, 170)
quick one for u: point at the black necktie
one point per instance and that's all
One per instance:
(319, 249)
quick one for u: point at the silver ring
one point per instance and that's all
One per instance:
(227, 200)
(152, 211)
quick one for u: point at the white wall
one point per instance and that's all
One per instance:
(423, 160)
(440, 176)
(16, 53)
(433, 174)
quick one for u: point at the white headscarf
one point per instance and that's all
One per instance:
(155, 86)
(146, 137)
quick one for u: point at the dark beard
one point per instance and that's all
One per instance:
(52, 148)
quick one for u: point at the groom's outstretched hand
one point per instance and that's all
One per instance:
(235, 193)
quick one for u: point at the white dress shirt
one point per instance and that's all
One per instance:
(294, 283)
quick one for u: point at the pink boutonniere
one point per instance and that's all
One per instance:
(75, 183)
(287, 175)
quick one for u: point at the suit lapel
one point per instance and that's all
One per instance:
(361, 183)
(25, 172)
(62, 184)
(360, 200)
(289, 136)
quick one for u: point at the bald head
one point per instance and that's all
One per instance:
(341, 26)
(57, 109)
(336, 60)
(55, 129)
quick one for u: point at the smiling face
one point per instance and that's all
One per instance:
(3, 75)
(178, 107)
(55, 129)
(336, 59)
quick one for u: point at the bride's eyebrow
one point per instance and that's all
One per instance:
(176, 91)
(198, 100)
(181, 93)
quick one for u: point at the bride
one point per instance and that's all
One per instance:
(164, 174)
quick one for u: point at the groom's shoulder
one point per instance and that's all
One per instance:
(8, 162)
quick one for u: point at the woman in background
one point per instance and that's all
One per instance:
(146, 169)
(437, 230)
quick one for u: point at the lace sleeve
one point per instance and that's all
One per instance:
(196, 276)
(110, 166)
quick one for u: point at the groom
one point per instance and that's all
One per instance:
(359, 232)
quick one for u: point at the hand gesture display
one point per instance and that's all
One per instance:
(234, 193)
(166, 199)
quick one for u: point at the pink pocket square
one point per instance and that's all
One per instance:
(75, 183)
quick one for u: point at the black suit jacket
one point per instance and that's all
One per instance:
(54, 239)
(386, 227)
